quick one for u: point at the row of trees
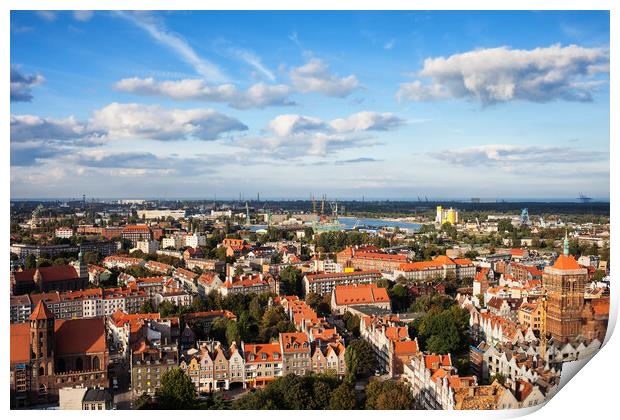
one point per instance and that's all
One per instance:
(320, 392)
(256, 320)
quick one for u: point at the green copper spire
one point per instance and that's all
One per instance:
(566, 244)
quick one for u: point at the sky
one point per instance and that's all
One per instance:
(384, 105)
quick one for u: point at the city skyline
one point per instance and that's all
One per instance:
(203, 104)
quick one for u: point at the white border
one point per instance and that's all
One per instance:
(594, 391)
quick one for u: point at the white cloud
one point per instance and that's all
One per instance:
(22, 84)
(259, 95)
(83, 15)
(502, 74)
(32, 128)
(254, 61)
(511, 157)
(293, 135)
(158, 31)
(390, 44)
(136, 121)
(314, 76)
(289, 124)
(46, 15)
(367, 121)
(31, 134)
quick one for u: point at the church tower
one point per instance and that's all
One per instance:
(565, 282)
(42, 350)
(81, 267)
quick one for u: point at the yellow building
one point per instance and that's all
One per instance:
(447, 216)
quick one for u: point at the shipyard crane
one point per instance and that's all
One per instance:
(525, 217)
(584, 199)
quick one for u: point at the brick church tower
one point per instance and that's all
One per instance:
(565, 282)
(42, 350)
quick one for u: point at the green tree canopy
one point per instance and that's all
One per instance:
(360, 359)
(176, 392)
(388, 395)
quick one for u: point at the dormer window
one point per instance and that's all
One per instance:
(251, 357)
(263, 356)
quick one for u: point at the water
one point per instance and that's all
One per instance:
(350, 222)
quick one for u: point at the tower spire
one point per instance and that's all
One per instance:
(566, 245)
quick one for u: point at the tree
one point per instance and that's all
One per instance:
(177, 392)
(144, 402)
(444, 331)
(147, 307)
(291, 278)
(360, 359)
(352, 323)
(598, 275)
(91, 257)
(399, 296)
(343, 398)
(30, 262)
(499, 377)
(471, 254)
(504, 225)
(388, 395)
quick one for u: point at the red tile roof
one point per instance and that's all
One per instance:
(53, 273)
(406, 347)
(566, 262)
(295, 342)
(271, 351)
(360, 294)
(20, 343)
(80, 336)
(41, 312)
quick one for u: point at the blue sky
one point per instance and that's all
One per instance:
(288, 104)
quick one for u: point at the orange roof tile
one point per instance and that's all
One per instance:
(566, 262)
(20, 343)
(360, 294)
(41, 312)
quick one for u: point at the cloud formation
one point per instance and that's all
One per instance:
(83, 15)
(254, 61)
(22, 84)
(34, 138)
(293, 135)
(366, 120)
(259, 95)
(136, 121)
(510, 157)
(31, 128)
(46, 15)
(314, 76)
(160, 33)
(495, 75)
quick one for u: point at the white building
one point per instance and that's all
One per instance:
(148, 247)
(158, 214)
(195, 240)
(64, 232)
(173, 241)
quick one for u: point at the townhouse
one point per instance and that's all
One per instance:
(213, 368)
(389, 337)
(263, 363)
(433, 381)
